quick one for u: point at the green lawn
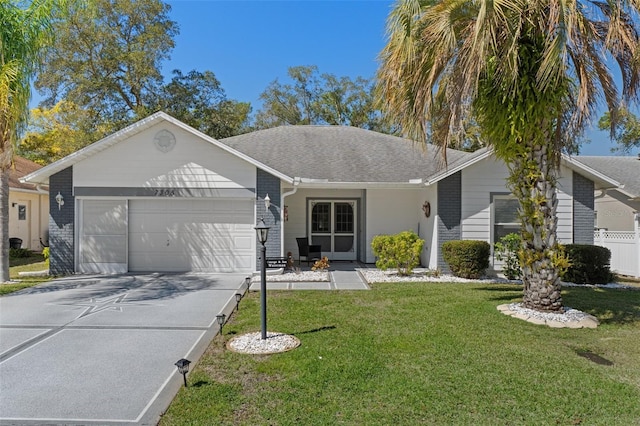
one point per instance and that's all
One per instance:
(35, 262)
(407, 354)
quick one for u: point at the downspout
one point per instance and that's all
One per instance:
(296, 182)
(41, 236)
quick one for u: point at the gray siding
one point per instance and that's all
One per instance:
(583, 210)
(61, 224)
(269, 184)
(449, 214)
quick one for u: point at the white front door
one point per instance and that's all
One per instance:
(332, 225)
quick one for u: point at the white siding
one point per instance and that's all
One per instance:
(192, 163)
(389, 211)
(428, 232)
(482, 179)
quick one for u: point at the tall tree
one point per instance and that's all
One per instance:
(626, 133)
(531, 73)
(54, 133)
(107, 57)
(23, 33)
(313, 98)
(198, 99)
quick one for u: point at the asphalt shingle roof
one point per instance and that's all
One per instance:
(22, 167)
(625, 170)
(341, 154)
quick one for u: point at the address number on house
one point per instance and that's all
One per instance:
(165, 192)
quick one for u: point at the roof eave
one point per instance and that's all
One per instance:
(604, 181)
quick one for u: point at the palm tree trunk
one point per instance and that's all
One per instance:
(4, 225)
(534, 176)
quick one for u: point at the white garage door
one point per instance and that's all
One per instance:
(170, 235)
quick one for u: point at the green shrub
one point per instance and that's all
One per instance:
(19, 252)
(400, 251)
(589, 264)
(45, 253)
(467, 258)
(506, 250)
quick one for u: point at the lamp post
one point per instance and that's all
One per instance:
(221, 319)
(262, 231)
(238, 299)
(183, 368)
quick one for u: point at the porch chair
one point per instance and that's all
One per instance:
(309, 252)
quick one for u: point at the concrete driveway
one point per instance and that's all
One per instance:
(101, 350)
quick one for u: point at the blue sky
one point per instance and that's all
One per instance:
(248, 44)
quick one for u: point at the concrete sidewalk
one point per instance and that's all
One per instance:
(101, 350)
(339, 280)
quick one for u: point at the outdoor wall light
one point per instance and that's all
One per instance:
(60, 200)
(221, 319)
(262, 231)
(183, 368)
(267, 202)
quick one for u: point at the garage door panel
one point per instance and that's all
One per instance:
(103, 236)
(104, 249)
(191, 235)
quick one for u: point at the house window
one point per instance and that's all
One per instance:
(505, 216)
(22, 212)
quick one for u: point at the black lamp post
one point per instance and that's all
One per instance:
(221, 319)
(183, 368)
(263, 232)
(238, 299)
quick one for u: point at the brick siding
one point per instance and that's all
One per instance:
(269, 184)
(449, 214)
(61, 224)
(583, 210)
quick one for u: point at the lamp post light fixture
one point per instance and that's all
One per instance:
(221, 319)
(238, 299)
(247, 282)
(183, 368)
(262, 231)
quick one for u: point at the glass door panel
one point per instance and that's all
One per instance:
(332, 225)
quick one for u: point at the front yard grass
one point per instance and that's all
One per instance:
(420, 354)
(35, 262)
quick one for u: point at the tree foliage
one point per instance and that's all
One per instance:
(314, 98)
(198, 99)
(107, 57)
(54, 133)
(531, 73)
(104, 72)
(24, 31)
(626, 131)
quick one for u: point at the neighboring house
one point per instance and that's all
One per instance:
(617, 209)
(28, 206)
(161, 196)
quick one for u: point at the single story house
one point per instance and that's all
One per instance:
(162, 196)
(28, 206)
(617, 209)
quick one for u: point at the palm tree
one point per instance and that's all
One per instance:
(23, 32)
(531, 73)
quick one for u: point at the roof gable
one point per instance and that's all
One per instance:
(42, 175)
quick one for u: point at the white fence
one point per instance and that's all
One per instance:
(625, 250)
